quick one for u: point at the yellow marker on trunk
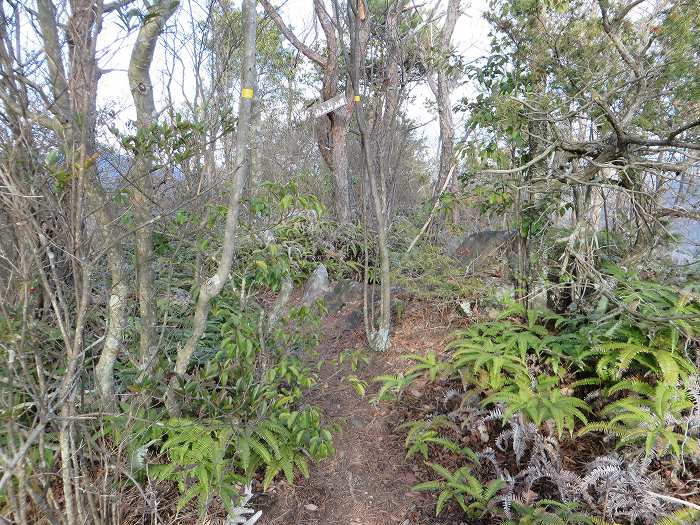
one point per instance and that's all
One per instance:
(247, 92)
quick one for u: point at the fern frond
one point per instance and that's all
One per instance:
(602, 426)
(681, 517)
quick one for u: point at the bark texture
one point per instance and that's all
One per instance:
(439, 83)
(373, 157)
(142, 195)
(331, 129)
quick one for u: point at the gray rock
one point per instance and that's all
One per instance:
(489, 251)
(317, 287)
(343, 292)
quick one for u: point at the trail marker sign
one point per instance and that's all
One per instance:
(325, 107)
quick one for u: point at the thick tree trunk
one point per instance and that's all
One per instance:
(332, 135)
(335, 154)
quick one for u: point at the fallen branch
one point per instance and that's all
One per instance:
(674, 500)
(432, 212)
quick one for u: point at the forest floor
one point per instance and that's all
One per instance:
(368, 481)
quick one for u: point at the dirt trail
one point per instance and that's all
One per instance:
(368, 481)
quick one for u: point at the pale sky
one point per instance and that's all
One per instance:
(470, 39)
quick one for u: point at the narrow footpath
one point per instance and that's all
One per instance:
(368, 481)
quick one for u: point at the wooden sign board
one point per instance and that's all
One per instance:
(322, 108)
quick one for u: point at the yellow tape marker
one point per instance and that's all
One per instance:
(247, 92)
(357, 98)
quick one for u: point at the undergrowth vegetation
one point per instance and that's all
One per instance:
(243, 418)
(538, 417)
(241, 421)
(211, 219)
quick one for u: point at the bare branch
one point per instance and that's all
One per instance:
(287, 32)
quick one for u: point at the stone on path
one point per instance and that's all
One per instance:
(317, 286)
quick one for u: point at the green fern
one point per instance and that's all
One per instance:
(655, 416)
(659, 300)
(498, 351)
(198, 464)
(490, 363)
(428, 365)
(205, 459)
(541, 401)
(392, 386)
(548, 512)
(357, 384)
(616, 358)
(422, 434)
(513, 337)
(681, 517)
(463, 487)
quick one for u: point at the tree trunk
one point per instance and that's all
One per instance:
(332, 135)
(440, 87)
(213, 286)
(117, 309)
(142, 195)
(378, 338)
(338, 164)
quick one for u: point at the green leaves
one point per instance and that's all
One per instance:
(428, 365)
(217, 456)
(654, 416)
(549, 512)
(392, 386)
(491, 363)
(196, 451)
(616, 358)
(540, 401)
(462, 487)
(356, 358)
(358, 385)
(422, 434)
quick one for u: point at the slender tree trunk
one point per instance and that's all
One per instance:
(440, 86)
(213, 286)
(142, 196)
(117, 309)
(535, 132)
(75, 94)
(378, 338)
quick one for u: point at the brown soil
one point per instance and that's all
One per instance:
(368, 481)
